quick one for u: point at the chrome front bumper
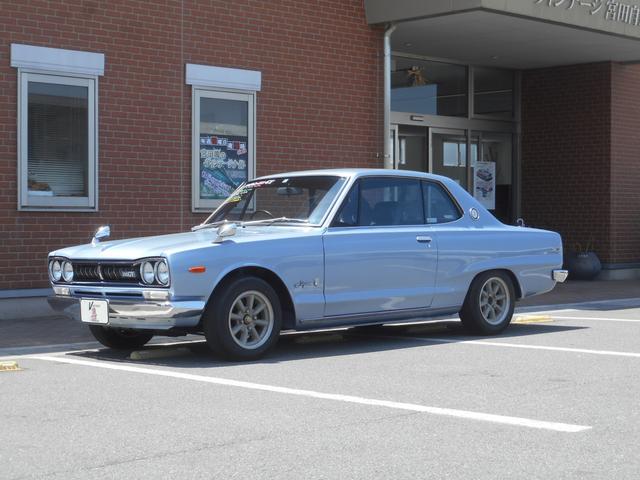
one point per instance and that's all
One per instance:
(560, 275)
(142, 314)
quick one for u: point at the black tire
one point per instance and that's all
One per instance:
(120, 338)
(478, 299)
(221, 317)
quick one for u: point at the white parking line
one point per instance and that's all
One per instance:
(513, 345)
(599, 319)
(485, 417)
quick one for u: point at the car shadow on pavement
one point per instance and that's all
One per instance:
(296, 346)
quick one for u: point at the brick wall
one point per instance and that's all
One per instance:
(625, 164)
(566, 154)
(320, 104)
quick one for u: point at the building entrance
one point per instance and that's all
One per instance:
(480, 161)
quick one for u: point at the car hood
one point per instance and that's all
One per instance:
(166, 245)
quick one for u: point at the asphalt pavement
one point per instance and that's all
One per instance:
(554, 396)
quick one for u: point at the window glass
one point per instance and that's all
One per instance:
(493, 92)
(433, 88)
(224, 139)
(348, 214)
(57, 139)
(57, 142)
(298, 199)
(438, 205)
(390, 201)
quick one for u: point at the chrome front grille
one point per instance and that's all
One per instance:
(99, 272)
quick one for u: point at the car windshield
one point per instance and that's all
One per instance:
(296, 199)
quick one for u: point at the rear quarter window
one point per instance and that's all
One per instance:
(439, 207)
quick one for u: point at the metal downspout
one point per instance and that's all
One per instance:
(388, 157)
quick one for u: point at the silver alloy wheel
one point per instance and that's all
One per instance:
(494, 301)
(251, 319)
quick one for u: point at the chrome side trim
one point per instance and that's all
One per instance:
(376, 317)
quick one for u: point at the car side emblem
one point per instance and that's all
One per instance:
(473, 213)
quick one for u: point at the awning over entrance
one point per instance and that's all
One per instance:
(518, 34)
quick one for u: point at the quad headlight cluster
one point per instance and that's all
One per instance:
(60, 270)
(154, 272)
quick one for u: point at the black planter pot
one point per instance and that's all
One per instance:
(582, 265)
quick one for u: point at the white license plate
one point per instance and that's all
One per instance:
(94, 311)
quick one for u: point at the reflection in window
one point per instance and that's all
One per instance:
(493, 92)
(432, 88)
(438, 205)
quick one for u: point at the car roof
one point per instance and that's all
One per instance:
(358, 172)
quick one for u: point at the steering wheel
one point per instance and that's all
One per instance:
(266, 212)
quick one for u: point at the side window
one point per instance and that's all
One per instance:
(390, 201)
(438, 205)
(348, 214)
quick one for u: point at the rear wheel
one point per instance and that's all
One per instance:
(120, 338)
(488, 307)
(243, 320)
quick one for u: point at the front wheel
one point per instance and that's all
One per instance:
(120, 338)
(243, 320)
(489, 304)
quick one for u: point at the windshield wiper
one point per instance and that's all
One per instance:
(264, 221)
(209, 225)
(269, 221)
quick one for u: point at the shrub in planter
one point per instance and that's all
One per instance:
(582, 264)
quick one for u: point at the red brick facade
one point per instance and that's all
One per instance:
(320, 104)
(581, 156)
(566, 154)
(625, 164)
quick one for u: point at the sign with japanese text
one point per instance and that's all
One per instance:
(224, 161)
(612, 10)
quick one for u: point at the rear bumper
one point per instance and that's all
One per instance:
(152, 315)
(559, 275)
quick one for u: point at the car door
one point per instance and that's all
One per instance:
(379, 254)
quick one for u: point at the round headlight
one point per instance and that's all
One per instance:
(55, 270)
(146, 272)
(67, 271)
(162, 272)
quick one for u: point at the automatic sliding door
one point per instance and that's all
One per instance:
(449, 154)
(493, 174)
(412, 149)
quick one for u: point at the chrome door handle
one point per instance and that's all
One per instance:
(423, 239)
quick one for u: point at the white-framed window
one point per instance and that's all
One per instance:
(57, 142)
(223, 132)
(57, 127)
(224, 145)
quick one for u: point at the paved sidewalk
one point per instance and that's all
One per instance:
(579, 291)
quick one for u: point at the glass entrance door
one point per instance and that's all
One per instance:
(411, 152)
(479, 161)
(449, 156)
(492, 182)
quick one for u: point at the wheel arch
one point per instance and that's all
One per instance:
(514, 279)
(286, 302)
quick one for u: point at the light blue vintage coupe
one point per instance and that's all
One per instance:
(308, 250)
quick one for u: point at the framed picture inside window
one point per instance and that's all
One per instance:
(223, 145)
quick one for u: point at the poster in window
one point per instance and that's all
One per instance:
(224, 164)
(484, 184)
